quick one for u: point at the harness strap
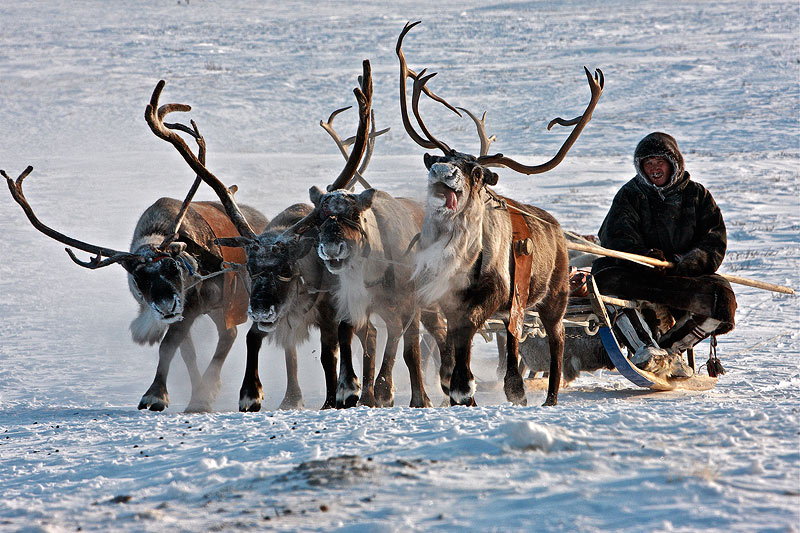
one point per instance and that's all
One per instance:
(522, 274)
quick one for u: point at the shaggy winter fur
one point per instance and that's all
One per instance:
(364, 240)
(464, 265)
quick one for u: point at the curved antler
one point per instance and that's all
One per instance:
(364, 98)
(201, 156)
(154, 116)
(343, 144)
(419, 85)
(596, 86)
(113, 256)
(405, 72)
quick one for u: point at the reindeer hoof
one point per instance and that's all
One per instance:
(249, 405)
(330, 403)
(515, 391)
(426, 402)
(552, 399)
(469, 402)
(367, 399)
(198, 407)
(153, 403)
(289, 404)
(350, 401)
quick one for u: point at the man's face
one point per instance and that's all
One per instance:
(657, 170)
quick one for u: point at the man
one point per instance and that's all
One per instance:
(663, 214)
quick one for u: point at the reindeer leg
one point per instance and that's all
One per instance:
(368, 337)
(293, 399)
(329, 349)
(189, 356)
(384, 383)
(551, 313)
(435, 326)
(462, 383)
(157, 398)
(348, 388)
(512, 384)
(411, 356)
(202, 400)
(251, 393)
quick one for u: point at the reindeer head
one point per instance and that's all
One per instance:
(340, 224)
(159, 278)
(274, 266)
(453, 181)
(159, 270)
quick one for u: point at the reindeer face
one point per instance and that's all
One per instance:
(272, 263)
(341, 231)
(159, 281)
(452, 181)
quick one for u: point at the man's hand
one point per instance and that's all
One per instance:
(655, 253)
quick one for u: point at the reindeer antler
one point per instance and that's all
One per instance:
(201, 156)
(113, 256)
(596, 84)
(481, 125)
(364, 97)
(343, 144)
(154, 116)
(405, 72)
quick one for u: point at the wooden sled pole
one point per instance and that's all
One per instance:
(651, 261)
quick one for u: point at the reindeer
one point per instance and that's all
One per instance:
(364, 240)
(481, 253)
(173, 268)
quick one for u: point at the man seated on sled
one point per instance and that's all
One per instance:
(662, 213)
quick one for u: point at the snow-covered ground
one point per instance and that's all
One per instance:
(76, 454)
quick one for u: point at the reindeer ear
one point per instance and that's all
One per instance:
(365, 199)
(175, 248)
(430, 160)
(304, 246)
(315, 193)
(489, 177)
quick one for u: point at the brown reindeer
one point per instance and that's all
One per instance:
(173, 268)
(481, 254)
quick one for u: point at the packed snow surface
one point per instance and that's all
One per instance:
(75, 76)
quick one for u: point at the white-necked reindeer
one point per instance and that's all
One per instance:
(482, 254)
(170, 268)
(364, 240)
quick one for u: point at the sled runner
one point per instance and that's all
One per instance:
(587, 315)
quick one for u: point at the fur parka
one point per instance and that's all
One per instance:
(680, 218)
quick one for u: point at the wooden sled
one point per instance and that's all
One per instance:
(589, 313)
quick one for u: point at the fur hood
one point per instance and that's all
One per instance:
(662, 145)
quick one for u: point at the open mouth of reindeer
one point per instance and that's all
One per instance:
(267, 320)
(448, 196)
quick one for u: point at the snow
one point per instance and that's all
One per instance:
(75, 453)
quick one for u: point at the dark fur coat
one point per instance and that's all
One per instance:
(679, 219)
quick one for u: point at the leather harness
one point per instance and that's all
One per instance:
(234, 293)
(523, 261)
